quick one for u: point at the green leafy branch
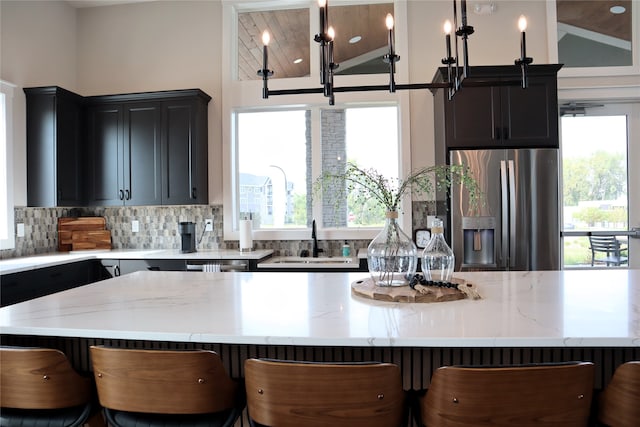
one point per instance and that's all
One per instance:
(367, 183)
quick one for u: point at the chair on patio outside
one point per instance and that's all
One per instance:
(607, 249)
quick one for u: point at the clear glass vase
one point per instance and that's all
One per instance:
(437, 257)
(392, 256)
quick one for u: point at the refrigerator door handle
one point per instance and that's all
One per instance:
(504, 213)
(512, 214)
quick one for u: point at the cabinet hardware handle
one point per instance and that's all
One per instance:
(121, 194)
(127, 195)
(116, 271)
(193, 193)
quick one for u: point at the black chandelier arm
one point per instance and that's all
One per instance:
(523, 63)
(369, 88)
(265, 74)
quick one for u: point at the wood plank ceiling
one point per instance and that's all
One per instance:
(290, 38)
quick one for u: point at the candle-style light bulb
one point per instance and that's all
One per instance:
(447, 32)
(522, 23)
(265, 72)
(265, 53)
(447, 27)
(389, 21)
(331, 33)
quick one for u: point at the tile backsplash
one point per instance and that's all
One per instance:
(159, 229)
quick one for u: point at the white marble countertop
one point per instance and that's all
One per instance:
(16, 265)
(584, 308)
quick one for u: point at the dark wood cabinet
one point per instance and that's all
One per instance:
(55, 149)
(148, 148)
(493, 111)
(124, 154)
(185, 172)
(131, 149)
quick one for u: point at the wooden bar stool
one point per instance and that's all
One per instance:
(527, 395)
(38, 386)
(619, 403)
(305, 394)
(162, 387)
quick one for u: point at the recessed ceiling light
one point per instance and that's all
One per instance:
(617, 10)
(297, 60)
(355, 39)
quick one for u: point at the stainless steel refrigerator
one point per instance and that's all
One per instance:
(517, 224)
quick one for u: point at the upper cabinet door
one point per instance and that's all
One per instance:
(185, 151)
(55, 149)
(530, 116)
(105, 175)
(142, 154)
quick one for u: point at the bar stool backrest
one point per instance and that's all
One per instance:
(40, 378)
(527, 395)
(306, 394)
(162, 381)
(619, 403)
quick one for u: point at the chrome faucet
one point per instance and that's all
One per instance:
(315, 240)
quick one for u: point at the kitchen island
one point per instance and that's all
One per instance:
(523, 317)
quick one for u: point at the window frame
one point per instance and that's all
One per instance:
(7, 89)
(246, 96)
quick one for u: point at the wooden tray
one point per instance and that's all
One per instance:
(367, 289)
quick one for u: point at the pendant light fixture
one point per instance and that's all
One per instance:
(457, 69)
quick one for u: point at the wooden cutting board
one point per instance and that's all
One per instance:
(90, 239)
(67, 226)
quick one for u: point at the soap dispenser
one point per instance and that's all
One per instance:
(346, 249)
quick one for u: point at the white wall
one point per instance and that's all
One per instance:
(37, 48)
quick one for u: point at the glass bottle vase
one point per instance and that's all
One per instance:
(392, 256)
(437, 257)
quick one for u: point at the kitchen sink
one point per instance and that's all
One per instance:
(297, 262)
(311, 260)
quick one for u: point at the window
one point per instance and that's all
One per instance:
(280, 145)
(595, 33)
(7, 238)
(593, 38)
(275, 153)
